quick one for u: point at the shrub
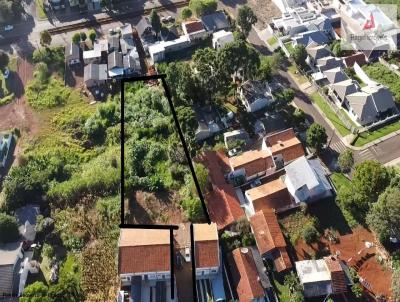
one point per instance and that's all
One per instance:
(310, 234)
(48, 251)
(8, 228)
(357, 290)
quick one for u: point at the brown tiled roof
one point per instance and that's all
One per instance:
(193, 26)
(339, 284)
(254, 162)
(267, 231)
(223, 206)
(144, 250)
(244, 275)
(272, 195)
(358, 57)
(269, 238)
(285, 143)
(207, 254)
(141, 259)
(217, 164)
(333, 264)
(206, 245)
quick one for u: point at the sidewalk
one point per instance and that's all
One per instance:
(345, 140)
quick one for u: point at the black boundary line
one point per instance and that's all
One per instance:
(191, 167)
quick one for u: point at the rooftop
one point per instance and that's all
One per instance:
(140, 237)
(248, 157)
(205, 231)
(266, 189)
(192, 26)
(245, 276)
(312, 271)
(9, 253)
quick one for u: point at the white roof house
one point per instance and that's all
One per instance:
(315, 277)
(221, 38)
(158, 51)
(306, 180)
(91, 54)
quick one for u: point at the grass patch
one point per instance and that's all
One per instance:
(281, 289)
(297, 75)
(369, 136)
(13, 63)
(292, 225)
(230, 107)
(289, 46)
(272, 41)
(339, 180)
(330, 114)
(7, 99)
(385, 76)
(41, 13)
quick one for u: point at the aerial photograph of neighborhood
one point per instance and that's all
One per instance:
(199, 150)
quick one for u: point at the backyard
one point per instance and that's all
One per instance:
(294, 72)
(329, 113)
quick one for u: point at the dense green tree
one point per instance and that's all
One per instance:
(283, 99)
(187, 119)
(202, 176)
(310, 233)
(269, 66)
(92, 35)
(353, 201)
(8, 228)
(186, 13)
(4, 60)
(48, 250)
(370, 178)
(346, 161)
(246, 19)
(155, 21)
(203, 7)
(357, 290)
(76, 38)
(337, 48)
(384, 215)
(239, 57)
(67, 289)
(299, 55)
(109, 209)
(45, 38)
(295, 289)
(182, 83)
(10, 10)
(83, 36)
(245, 119)
(35, 292)
(193, 209)
(316, 137)
(213, 79)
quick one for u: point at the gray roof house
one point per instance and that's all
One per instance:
(127, 45)
(306, 181)
(255, 95)
(308, 37)
(131, 63)
(371, 104)
(115, 64)
(72, 53)
(11, 256)
(344, 88)
(126, 31)
(113, 43)
(316, 52)
(329, 62)
(335, 75)
(145, 31)
(95, 74)
(215, 22)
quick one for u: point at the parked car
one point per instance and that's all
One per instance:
(187, 254)
(166, 19)
(6, 73)
(255, 183)
(8, 27)
(234, 151)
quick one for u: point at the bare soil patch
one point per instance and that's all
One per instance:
(151, 208)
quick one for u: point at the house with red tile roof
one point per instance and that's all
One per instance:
(222, 202)
(223, 206)
(206, 249)
(245, 278)
(144, 262)
(272, 195)
(252, 164)
(194, 30)
(269, 239)
(284, 143)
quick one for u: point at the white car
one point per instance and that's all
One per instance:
(8, 27)
(187, 254)
(234, 151)
(6, 73)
